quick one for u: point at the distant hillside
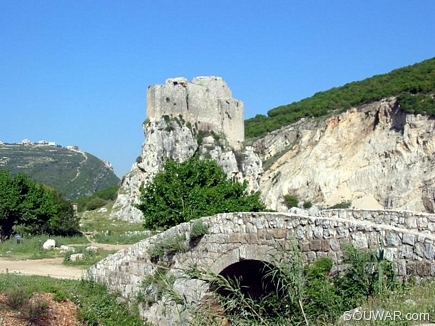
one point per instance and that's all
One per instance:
(72, 173)
(414, 87)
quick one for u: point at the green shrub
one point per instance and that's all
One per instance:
(35, 310)
(17, 298)
(95, 203)
(167, 247)
(107, 194)
(342, 205)
(60, 295)
(155, 286)
(308, 204)
(198, 230)
(291, 201)
(192, 189)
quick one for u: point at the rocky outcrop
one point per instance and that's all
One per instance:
(376, 157)
(182, 119)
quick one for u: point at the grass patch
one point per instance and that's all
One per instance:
(111, 231)
(31, 248)
(415, 302)
(123, 238)
(95, 305)
(101, 222)
(90, 257)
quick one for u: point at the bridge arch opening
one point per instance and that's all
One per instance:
(253, 277)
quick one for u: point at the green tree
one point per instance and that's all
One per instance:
(33, 206)
(193, 189)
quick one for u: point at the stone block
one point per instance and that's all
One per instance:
(251, 238)
(429, 251)
(373, 240)
(333, 256)
(423, 268)
(304, 246)
(411, 222)
(401, 268)
(262, 233)
(422, 223)
(315, 245)
(235, 238)
(321, 254)
(392, 239)
(390, 254)
(279, 233)
(408, 239)
(406, 251)
(419, 249)
(411, 268)
(325, 245)
(311, 256)
(334, 244)
(359, 240)
(318, 231)
(327, 233)
(342, 232)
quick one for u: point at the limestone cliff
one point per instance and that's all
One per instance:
(184, 118)
(375, 156)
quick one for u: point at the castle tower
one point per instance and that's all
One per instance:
(206, 103)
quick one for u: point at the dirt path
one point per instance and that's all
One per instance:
(44, 267)
(51, 266)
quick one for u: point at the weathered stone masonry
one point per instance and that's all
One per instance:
(405, 236)
(205, 102)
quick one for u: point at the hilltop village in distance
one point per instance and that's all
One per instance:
(41, 143)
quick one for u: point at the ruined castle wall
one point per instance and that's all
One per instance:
(206, 103)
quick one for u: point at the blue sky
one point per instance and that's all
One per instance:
(76, 72)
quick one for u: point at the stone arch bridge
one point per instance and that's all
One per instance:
(237, 240)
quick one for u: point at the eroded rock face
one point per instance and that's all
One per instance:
(376, 157)
(178, 125)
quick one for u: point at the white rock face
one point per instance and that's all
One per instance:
(50, 244)
(376, 157)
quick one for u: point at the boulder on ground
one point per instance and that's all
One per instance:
(50, 244)
(92, 249)
(65, 249)
(75, 257)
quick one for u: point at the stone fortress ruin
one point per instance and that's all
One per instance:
(184, 118)
(206, 102)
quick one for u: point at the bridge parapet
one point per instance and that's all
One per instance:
(418, 221)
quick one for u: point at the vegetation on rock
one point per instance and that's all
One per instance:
(291, 201)
(414, 87)
(195, 188)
